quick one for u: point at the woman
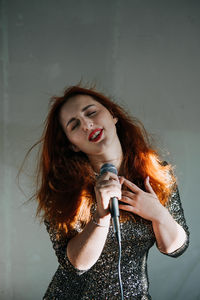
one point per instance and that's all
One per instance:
(84, 130)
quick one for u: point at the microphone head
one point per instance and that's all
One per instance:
(108, 168)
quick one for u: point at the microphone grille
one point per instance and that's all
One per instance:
(108, 168)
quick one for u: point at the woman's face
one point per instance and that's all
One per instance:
(88, 125)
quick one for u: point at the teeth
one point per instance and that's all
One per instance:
(95, 135)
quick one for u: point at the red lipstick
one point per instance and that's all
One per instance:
(91, 137)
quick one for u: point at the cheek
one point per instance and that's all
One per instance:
(104, 118)
(75, 138)
(111, 121)
(69, 137)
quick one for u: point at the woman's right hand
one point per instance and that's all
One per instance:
(84, 249)
(107, 186)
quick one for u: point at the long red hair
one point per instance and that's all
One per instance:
(65, 191)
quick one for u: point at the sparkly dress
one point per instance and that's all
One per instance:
(100, 282)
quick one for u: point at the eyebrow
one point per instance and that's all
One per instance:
(84, 108)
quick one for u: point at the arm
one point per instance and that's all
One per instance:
(84, 249)
(60, 243)
(174, 208)
(170, 235)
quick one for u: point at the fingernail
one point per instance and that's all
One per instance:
(120, 179)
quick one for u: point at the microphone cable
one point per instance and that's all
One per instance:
(119, 269)
(114, 209)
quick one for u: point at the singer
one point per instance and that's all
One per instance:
(84, 130)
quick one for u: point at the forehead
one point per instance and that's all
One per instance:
(76, 104)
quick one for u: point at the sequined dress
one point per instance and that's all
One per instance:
(100, 282)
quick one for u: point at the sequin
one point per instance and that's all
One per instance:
(100, 282)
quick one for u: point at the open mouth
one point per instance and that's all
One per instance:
(95, 135)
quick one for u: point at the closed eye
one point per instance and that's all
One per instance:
(75, 125)
(77, 122)
(91, 113)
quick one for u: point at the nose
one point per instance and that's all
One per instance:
(87, 124)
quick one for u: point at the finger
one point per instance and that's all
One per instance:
(133, 187)
(128, 200)
(148, 186)
(128, 193)
(106, 183)
(107, 176)
(121, 179)
(129, 208)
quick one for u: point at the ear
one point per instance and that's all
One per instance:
(115, 120)
(74, 148)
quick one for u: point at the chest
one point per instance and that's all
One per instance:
(134, 234)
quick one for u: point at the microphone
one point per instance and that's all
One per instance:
(114, 205)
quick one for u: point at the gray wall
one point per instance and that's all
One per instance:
(143, 53)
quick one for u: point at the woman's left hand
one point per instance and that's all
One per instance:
(137, 201)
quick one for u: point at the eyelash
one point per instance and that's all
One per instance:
(75, 126)
(89, 114)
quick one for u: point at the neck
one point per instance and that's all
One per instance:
(114, 157)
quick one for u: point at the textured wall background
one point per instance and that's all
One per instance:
(143, 53)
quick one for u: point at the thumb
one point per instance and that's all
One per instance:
(148, 186)
(121, 180)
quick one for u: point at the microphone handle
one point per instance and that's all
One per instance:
(114, 209)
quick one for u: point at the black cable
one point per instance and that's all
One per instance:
(114, 209)
(119, 267)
